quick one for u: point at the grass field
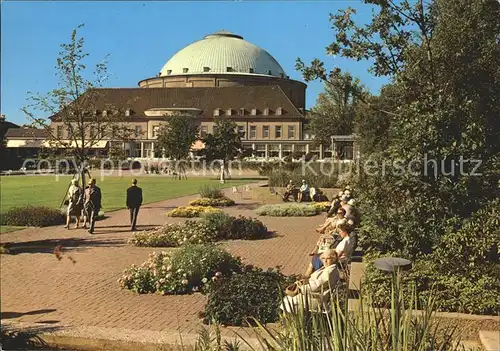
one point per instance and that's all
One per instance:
(46, 191)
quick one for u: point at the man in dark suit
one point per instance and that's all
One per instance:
(92, 205)
(134, 201)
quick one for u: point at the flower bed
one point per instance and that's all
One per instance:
(172, 235)
(212, 227)
(184, 271)
(321, 206)
(289, 210)
(206, 201)
(191, 211)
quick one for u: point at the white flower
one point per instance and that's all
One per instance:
(351, 222)
(162, 280)
(204, 280)
(184, 282)
(218, 274)
(351, 202)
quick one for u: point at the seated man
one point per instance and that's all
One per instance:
(315, 291)
(324, 243)
(304, 190)
(290, 191)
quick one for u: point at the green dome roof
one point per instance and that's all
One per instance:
(222, 53)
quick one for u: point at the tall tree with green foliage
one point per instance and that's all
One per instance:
(442, 156)
(335, 109)
(76, 125)
(224, 144)
(175, 139)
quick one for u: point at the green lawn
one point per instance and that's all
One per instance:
(47, 191)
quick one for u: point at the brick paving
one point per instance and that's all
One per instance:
(37, 288)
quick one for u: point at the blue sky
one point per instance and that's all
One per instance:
(141, 36)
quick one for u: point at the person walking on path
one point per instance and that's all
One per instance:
(134, 202)
(75, 203)
(92, 204)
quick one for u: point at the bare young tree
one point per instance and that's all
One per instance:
(75, 124)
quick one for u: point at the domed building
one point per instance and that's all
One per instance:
(220, 75)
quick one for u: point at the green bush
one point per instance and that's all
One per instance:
(255, 293)
(453, 292)
(317, 174)
(218, 202)
(184, 271)
(212, 227)
(247, 228)
(288, 210)
(172, 235)
(211, 192)
(219, 223)
(35, 216)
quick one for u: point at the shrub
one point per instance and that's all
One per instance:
(191, 211)
(247, 228)
(186, 270)
(211, 192)
(255, 293)
(172, 235)
(218, 202)
(317, 174)
(220, 223)
(288, 210)
(36, 216)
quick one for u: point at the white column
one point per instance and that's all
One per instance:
(321, 151)
(142, 150)
(307, 148)
(280, 152)
(266, 152)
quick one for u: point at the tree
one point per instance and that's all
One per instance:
(441, 108)
(335, 110)
(224, 144)
(175, 139)
(443, 59)
(75, 124)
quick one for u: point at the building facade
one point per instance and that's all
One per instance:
(221, 75)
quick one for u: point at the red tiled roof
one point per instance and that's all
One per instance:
(25, 133)
(206, 99)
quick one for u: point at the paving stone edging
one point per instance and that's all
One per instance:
(116, 339)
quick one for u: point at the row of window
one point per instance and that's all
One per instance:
(228, 69)
(252, 133)
(242, 112)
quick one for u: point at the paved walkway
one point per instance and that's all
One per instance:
(37, 288)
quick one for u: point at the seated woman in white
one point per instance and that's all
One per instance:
(345, 247)
(315, 292)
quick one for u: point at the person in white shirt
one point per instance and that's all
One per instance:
(315, 292)
(304, 190)
(345, 247)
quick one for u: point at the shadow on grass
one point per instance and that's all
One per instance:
(26, 338)
(49, 245)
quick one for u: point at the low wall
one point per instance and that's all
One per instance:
(263, 193)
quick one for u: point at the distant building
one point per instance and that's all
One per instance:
(219, 75)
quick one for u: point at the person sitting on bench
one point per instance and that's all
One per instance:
(291, 190)
(304, 190)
